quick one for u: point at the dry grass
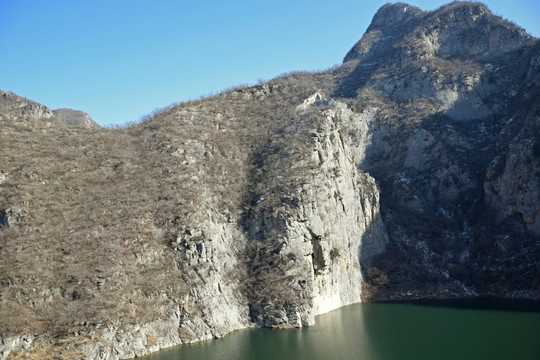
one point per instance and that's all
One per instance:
(97, 209)
(64, 349)
(150, 341)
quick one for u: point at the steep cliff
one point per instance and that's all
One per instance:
(410, 171)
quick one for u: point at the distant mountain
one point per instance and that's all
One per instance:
(13, 106)
(74, 118)
(411, 171)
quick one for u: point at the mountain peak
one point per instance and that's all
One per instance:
(74, 118)
(460, 29)
(14, 106)
(395, 14)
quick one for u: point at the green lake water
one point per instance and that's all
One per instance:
(477, 329)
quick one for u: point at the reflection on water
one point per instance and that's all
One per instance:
(385, 331)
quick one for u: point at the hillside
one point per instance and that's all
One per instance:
(410, 171)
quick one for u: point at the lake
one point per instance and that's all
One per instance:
(458, 329)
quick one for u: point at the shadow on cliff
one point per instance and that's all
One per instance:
(374, 242)
(488, 303)
(443, 234)
(349, 81)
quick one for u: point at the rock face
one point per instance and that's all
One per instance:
(13, 106)
(315, 216)
(74, 118)
(410, 171)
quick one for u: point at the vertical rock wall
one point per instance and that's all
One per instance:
(327, 225)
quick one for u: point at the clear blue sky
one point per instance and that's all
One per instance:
(119, 60)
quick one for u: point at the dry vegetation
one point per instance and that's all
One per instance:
(90, 213)
(89, 217)
(68, 258)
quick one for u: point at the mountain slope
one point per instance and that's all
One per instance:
(410, 171)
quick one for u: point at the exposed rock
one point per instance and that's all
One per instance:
(12, 105)
(74, 118)
(410, 171)
(330, 208)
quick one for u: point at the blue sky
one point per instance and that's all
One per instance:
(119, 60)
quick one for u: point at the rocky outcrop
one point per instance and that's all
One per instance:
(318, 231)
(74, 118)
(410, 171)
(13, 106)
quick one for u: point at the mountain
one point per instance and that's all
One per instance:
(411, 171)
(13, 106)
(74, 118)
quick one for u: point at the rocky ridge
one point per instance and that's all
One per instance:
(410, 171)
(13, 106)
(73, 118)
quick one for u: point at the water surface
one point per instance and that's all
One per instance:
(478, 329)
